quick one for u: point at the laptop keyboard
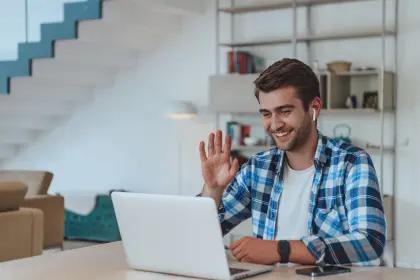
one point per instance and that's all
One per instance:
(234, 271)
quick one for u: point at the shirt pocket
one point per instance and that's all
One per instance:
(328, 222)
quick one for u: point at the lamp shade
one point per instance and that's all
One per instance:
(181, 110)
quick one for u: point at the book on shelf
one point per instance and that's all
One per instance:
(244, 62)
(238, 132)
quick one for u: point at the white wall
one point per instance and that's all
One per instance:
(122, 140)
(13, 22)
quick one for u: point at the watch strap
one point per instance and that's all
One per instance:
(283, 247)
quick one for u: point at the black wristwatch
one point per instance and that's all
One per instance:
(283, 248)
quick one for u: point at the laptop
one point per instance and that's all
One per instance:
(176, 235)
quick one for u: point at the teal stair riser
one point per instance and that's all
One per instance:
(57, 31)
(50, 32)
(29, 51)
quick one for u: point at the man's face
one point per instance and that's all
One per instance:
(285, 119)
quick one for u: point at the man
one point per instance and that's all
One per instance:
(312, 199)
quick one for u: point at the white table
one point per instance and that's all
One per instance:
(107, 261)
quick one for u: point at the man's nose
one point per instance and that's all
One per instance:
(276, 122)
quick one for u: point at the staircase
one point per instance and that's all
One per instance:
(97, 40)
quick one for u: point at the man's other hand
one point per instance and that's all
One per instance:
(255, 250)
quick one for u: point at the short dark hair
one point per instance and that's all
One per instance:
(289, 72)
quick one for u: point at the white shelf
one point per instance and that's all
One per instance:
(355, 73)
(356, 111)
(371, 33)
(324, 112)
(281, 5)
(377, 151)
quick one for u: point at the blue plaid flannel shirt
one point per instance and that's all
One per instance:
(346, 222)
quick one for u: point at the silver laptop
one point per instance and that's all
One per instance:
(176, 235)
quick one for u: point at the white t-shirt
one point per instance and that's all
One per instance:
(292, 216)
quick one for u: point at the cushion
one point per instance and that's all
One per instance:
(38, 181)
(12, 195)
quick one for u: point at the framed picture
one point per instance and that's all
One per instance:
(370, 99)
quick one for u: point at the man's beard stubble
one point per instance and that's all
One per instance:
(302, 136)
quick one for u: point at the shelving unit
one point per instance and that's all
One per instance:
(232, 94)
(227, 92)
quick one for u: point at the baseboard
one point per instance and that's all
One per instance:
(407, 265)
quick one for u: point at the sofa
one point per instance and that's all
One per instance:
(21, 233)
(52, 206)
(99, 225)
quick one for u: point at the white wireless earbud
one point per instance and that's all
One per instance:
(314, 115)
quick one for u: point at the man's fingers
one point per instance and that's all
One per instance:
(241, 255)
(203, 156)
(236, 251)
(234, 167)
(218, 142)
(211, 145)
(245, 259)
(227, 147)
(235, 244)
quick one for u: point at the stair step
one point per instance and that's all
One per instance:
(38, 108)
(16, 68)
(51, 69)
(109, 35)
(35, 50)
(58, 31)
(29, 88)
(175, 7)
(83, 10)
(94, 55)
(138, 19)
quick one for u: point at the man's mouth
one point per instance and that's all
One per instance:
(281, 133)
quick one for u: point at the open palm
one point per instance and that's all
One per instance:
(216, 167)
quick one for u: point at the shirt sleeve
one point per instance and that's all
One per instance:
(365, 243)
(235, 205)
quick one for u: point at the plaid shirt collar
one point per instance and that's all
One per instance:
(320, 158)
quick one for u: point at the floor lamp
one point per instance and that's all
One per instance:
(180, 110)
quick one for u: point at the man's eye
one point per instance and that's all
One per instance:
(286, 112)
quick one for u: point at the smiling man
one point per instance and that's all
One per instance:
(312, 199)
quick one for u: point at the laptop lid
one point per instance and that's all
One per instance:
(171, 234)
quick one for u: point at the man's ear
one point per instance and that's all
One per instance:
(316, 106)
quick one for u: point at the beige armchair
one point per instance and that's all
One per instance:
(21, 233)
(38, 183)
